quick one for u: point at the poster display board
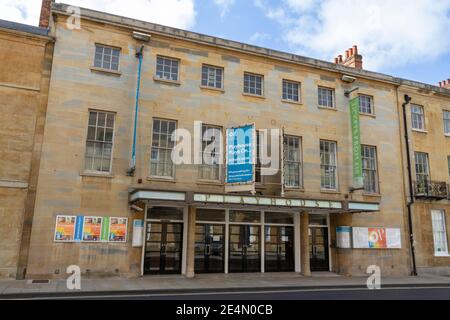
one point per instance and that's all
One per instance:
(65, 228)
(343, 237)
(118, 229)
(138, 230)
(240, 158)
(90, 229)
(376, 238)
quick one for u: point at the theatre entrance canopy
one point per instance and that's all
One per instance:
(249, 202)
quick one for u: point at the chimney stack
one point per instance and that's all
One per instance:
(352, 58)
(445, 84)
(46, 9)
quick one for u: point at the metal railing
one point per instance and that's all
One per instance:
(436, 190)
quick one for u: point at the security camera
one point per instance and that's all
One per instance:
(348, 79)
(136, 208)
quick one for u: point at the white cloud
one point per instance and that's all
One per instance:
(258, 37)
(388, 32)
(175, 13)
(224, 6)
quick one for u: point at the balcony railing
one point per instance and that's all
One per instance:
(432, 190)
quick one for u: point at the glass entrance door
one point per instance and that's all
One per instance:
(318, 249)
(244, 250)
(209, 248)
(279, 249)
(163, 248)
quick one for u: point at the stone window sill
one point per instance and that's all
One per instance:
(106, 71)
(370, 115)
(330, 191)
(212, 89)
(299, 103)
(162, 179)
(420, 131)
(327, 108)
(106, 175)
(210, 183)
(166, 81)
(253, 95)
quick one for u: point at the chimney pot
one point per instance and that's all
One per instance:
(336, 60)
(347, 54)
(355, 49)
(340, 58)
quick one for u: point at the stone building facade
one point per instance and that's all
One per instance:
(110, 200)
(25, 55)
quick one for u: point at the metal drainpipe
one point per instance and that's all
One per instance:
(411, 188)
(140, 56)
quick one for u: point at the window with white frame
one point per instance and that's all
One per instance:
(253, 84)
(291, 91)
(210, 153)
(328, 164)
(417, 117)
(99, 142)
(212, 77)
(366, 104)
(326, 97)
(292, 162)
(369, 166)
(439, 233)
(167, 68)
(161, 164)
(422, 171)
(106, 57)
(447, 122)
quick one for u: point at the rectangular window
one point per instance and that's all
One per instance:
(439, 233)
(422, 172)
(167, 68)
(365, 104)
(106, 57)
(326, 97)
(99, 142)
(448, 161)
(161, 164)
(291, 91)
(253, 84)
(292, 162)
(417, 117)
(369, 166)
(328, 165)
(212, 77)
(447, 122)
(210, 153)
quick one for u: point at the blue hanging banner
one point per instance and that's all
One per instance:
(79, 228)
(240, 155)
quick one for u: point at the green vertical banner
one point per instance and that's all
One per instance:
(105, 229)
(356, 143)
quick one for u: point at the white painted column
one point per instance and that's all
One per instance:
(262, 244)
(297, 247)
(227, 238)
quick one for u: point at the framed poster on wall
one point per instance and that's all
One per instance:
(65, 228)
(118, 229)
(92, 229)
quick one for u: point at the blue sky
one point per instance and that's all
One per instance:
(404, 38)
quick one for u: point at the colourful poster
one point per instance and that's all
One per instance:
(79, 228)
(118, 229)
(65, 228)
(92, 229)
(377, 238)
